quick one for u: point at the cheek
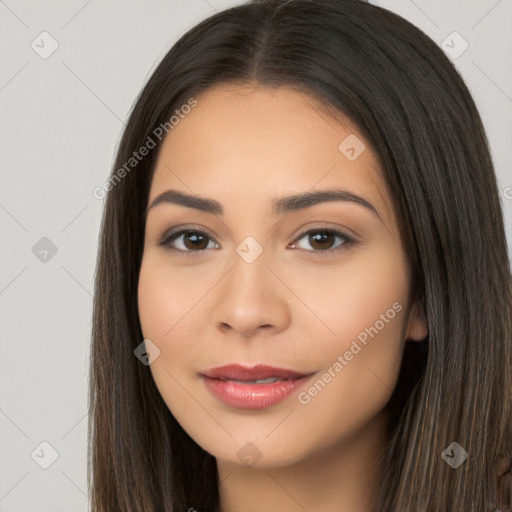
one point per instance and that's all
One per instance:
(355, 383)
(160, 310)
(166, 297)
(370, 288)
(166, 310)
(155, 302)
(169, 303)
(364, 307)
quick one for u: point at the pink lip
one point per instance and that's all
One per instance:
(223, 383)
(259, 371)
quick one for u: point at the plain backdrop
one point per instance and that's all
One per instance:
(61, 118)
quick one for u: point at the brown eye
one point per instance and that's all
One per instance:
(323, 241)
(193, 240)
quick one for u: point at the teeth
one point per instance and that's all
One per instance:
(258, 381)
(264, 381)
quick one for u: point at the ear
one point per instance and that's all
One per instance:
(417, 324)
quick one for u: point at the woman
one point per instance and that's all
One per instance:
(303, 295)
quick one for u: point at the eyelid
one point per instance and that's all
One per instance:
(337, 229)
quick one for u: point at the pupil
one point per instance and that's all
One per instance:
(194, 237)
(319, 237)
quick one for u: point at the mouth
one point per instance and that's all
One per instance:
(259, 373)
(255, 387)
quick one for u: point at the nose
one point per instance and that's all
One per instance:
(251, 300)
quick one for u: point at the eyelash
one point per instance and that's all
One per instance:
(173, 234)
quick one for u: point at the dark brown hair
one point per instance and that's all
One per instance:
(411, 105)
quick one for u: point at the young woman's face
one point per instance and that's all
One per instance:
(248, 284)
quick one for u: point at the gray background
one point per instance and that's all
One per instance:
(62, 117)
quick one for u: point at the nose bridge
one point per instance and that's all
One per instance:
(250, 296)
(249, 275)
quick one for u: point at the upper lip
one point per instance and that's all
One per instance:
(247, 373)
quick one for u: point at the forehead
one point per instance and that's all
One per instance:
(258, 140)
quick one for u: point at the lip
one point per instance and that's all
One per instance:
(255, 372)
(230, 384)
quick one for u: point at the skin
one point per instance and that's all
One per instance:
(244, 146)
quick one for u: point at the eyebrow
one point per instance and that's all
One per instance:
(280, 205)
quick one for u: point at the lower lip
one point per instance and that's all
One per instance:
(252, 396)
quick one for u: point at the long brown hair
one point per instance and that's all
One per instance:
(410, 103)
